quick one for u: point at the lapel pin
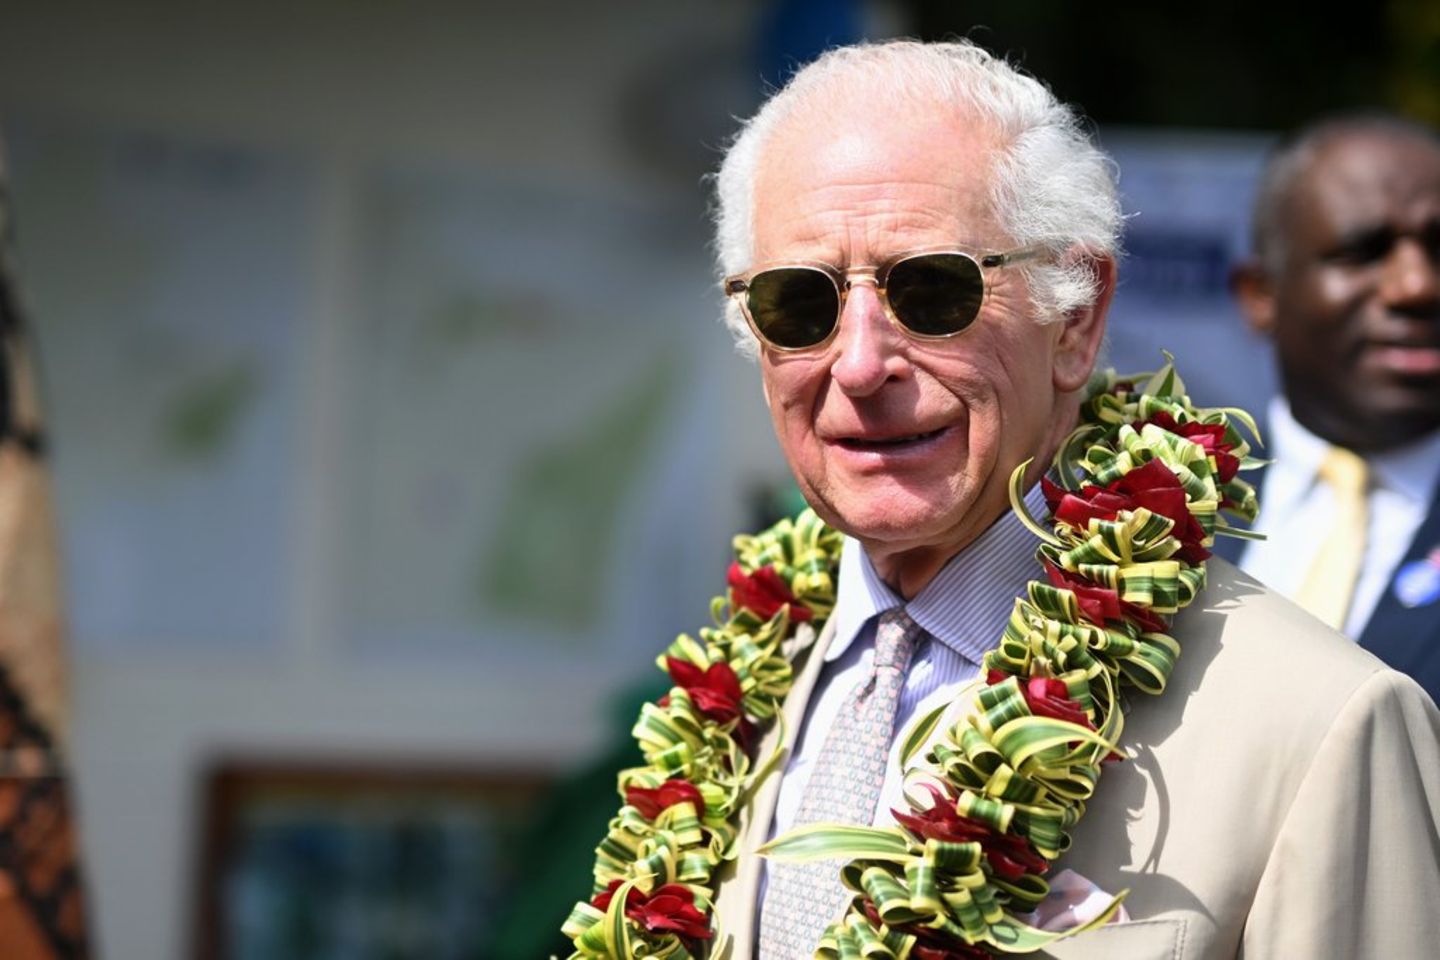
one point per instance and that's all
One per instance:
(1418, 582)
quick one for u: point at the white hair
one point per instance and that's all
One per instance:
(1050, 184)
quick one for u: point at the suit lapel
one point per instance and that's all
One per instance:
(1405, 637)
(739, 892)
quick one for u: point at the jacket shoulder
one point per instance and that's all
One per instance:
(1275, 635)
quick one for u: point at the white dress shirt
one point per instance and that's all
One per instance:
(1296, 505)
(963, 612)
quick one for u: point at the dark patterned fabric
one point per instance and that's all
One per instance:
(42, 907)
(38, 855)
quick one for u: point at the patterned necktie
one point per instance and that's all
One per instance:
(801, 899)
(1329, 584)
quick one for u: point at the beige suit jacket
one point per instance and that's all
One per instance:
(1282, 800)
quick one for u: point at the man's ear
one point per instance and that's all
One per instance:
(1251, 287)
(1084, 331)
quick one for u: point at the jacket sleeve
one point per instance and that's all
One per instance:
(1354, 873)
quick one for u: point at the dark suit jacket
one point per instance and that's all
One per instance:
(1406, 638)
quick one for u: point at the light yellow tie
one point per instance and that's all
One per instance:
(1329, 585)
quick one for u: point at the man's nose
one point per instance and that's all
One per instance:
(1411, 279)
(869, 348)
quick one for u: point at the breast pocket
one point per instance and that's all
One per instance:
(1137, 940)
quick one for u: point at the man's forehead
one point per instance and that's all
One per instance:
(909, 169)
(1370, 178)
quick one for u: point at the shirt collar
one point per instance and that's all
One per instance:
(967, 604)
(1412, 470)
(1296, 450)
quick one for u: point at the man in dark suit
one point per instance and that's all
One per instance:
(1345, 280)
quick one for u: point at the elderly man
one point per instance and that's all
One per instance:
(1346, 281)
(921, 244)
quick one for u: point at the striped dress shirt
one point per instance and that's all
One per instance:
(963, 612)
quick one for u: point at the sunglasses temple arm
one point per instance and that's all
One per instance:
(1014, 256)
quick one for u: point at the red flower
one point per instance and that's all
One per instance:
(651, 802)
(1009, 856)
(763, 593)
(1153, 486)
(602, 900)
(1098, 604)
(959, 951)
(1211, 436)
(1156, 488)
(716, 691)
(1078, 509)
(1048, 697)
(670, 909)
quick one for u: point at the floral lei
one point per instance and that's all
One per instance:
(1137, 501)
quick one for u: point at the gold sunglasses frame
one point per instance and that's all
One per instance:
(738, 287)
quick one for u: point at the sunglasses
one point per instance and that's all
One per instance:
(928, 294)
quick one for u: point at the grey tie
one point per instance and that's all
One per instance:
(801, 899)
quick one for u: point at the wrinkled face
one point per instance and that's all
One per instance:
(1356, 313)
(900, 442)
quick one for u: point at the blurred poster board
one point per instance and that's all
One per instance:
(1187, 198)
(318, 861)
(167, 279)
(534, 424)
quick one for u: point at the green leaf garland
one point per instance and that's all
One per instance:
(1140, 489)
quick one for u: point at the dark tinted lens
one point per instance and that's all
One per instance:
(793, 306)
(937, 293)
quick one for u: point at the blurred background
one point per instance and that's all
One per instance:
(393, 431)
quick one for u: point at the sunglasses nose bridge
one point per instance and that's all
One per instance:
(857, 275)
(872, 309)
